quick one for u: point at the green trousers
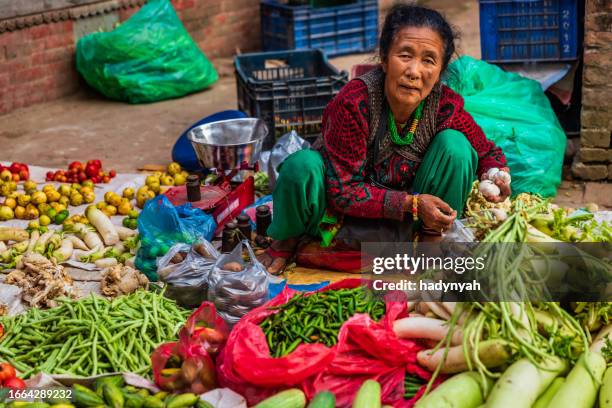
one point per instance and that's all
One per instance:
(447, 171)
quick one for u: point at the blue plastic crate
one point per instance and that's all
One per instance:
(529, 30)
(337, 30)
(287, 89)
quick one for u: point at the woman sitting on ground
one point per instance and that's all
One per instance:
(398, 153)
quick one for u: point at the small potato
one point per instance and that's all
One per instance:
(232, 266)
(200, 249)
(178, 257)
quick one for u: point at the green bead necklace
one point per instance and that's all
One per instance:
(409, 138)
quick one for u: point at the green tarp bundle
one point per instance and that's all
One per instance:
(516, 115)
(150, 57)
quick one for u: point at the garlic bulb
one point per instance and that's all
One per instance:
(499, 214)
(503, 176)
(490, 174)
(488, 189)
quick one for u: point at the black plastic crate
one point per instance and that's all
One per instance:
(287, 89)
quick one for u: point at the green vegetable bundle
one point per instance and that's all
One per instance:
(91, 336)
(317, 318)
(113, 392)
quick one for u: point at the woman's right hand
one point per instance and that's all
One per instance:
(435, 213)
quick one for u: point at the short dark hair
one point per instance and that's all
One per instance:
(403, 15)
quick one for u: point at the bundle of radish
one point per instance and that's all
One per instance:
(535, 339)
(517, 271)
(102, 242)
(522, 383)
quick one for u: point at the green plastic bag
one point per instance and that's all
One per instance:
(148, 58)
(516, 115)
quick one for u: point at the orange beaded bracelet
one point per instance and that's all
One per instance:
(415, 206)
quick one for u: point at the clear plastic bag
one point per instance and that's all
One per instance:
(284, 147)
(459, 233)
(235, 286)
(185, 269)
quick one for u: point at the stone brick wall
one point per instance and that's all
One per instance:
(37, 50)
(594, 159)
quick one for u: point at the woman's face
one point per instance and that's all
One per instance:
(413, 65)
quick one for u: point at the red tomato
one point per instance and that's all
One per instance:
(24, 174)
(91, 170)
(16, 177)
(95, 163)
(82, 177)
(112, 173)
(105, 179)
(15, 168)
(7, 371)
(14, 383)
(76, 165)
(49, 175)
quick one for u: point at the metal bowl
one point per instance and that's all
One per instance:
(226, 144)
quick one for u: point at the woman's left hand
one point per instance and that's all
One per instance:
(504, 188)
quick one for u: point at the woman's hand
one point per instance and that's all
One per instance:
(435, 213)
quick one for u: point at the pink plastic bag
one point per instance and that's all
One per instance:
(365, 350)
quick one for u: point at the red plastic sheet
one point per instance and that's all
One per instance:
(365, 350)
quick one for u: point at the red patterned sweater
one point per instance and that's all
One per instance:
(346, 131)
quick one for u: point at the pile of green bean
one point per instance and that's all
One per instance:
(412, 385)
(91, 336)
(316, 318)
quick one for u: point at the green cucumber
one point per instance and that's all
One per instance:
(83, 397)
(152, 402)
(368, 395)
(291, 398)
(324, 399)
(133, 400)
(113, 395)
(182, 400)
